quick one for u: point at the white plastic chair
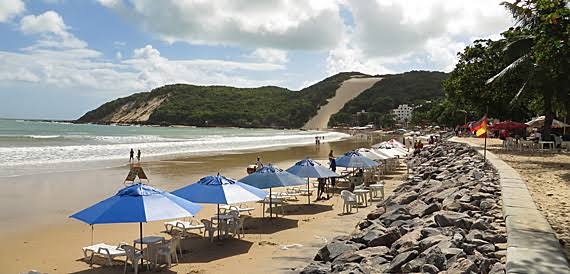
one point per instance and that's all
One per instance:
(167, 250)
(132, 255)
(350, 201)
(210, 228)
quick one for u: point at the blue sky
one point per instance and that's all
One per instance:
(62, 58)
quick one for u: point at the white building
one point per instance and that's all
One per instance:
(403, 113)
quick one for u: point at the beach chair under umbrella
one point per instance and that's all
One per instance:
(271, 176)
(220, 190)
(309, 168)
(138, 203)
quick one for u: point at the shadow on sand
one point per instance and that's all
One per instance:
(304, 209)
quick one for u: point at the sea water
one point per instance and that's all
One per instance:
(33, 147)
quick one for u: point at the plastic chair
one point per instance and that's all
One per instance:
(133, 255)
(210, 228)
(350, 201)
(167, 249)
(233, 224)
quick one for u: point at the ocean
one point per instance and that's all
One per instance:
(35, 147)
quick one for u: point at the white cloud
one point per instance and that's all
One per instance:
(413, 34)
(10, 8)
(270, 55)
(53, 30)
(282, 24)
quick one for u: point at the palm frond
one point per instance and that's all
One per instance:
(520, 91)
(518, 46)
(524, 17)
(514, 65)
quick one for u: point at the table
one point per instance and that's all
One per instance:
(549, 143)
(222, 218)
(274, 201)
(150, 241)
(375, 188)
(361, 194)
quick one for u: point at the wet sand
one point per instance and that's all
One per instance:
(36, 232)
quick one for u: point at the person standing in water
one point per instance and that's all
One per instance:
(132, 156)
(139, 155)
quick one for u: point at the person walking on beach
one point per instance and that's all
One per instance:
(132, 156)
(139, 155)
(258, 164)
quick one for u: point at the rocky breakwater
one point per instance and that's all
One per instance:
(445, 218)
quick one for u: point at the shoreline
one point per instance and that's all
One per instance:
(37, 224)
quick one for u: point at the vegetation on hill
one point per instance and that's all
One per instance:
(415, 87)
(228, 106)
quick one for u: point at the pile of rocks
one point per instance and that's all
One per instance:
(445, 218)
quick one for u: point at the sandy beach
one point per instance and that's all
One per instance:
(548, 178)
(37, 234)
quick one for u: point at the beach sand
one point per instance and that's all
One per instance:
(349, 90)
(36, 232)
(548, 178)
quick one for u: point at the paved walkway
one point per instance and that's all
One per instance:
(532, 246)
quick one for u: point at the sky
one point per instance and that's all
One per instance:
(62, 58)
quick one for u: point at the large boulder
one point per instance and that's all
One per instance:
(449, 218)
(401, 259)
(333, 250)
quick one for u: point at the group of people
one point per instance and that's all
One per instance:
(318, 139)
(132, 155)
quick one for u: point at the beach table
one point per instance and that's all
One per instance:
(274, 201)
(150, 242)
(224, 218)
(549, 144)
(374, 188)
(361, 195)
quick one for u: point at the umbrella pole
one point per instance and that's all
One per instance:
(270, 205)
(219, 221)
(308, 193)
(140, 234)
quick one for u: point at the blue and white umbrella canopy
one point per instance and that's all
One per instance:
(135, 204)
(355, 160)
(220, 190)
(271, 176)
(309, 168)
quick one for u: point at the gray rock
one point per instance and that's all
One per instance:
(430, 231)
(414, 265)
(429, 268)
(432, 240)
(494, 238)
(348, 268)
(376, 213)
(487, 204)
(497, 268)
(462, 266)
(417, 208)
(449, 218)
(348, 257)
(481, 225)
(486, 248)
(437, 258)
(407, 241)
(373, 251)
(386, 239)
(401, 259)
(334, 249)
(317, 268)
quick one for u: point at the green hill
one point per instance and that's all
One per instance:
(414, 87)
(183, 104)
(269, 106)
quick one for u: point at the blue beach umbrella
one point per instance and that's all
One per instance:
(271, 176)
(355, 160)
(309, 168)
(137, 203)
(220, 190)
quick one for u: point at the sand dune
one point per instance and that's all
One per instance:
(346, 92)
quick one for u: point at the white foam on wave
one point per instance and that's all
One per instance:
(153, 146)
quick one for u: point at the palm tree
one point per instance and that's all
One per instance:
(531, 16)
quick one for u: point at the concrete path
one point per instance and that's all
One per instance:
(349, 90)
(532, 246)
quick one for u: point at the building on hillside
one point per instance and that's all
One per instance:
(403, 113)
